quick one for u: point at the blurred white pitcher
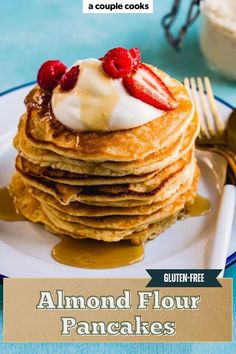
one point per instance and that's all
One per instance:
(218, 36)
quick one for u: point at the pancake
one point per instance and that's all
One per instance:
(44, 157)
(125, 222)
(75, 179)
(153, 162)
(159, 191)
(36, 212)
(134, 182)
(79, 209)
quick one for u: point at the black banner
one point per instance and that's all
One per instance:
(172, 278)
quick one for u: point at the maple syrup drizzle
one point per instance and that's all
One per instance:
(7, 208)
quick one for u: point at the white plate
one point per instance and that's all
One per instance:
(25, 247)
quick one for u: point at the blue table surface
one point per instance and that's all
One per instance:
(33, 31)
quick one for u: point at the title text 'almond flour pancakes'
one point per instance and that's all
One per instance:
(106, 153)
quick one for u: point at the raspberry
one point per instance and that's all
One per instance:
(69, 79)
(117, 62)
(50, 73)
(136, 55)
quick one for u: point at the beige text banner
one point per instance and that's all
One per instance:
(76, 310)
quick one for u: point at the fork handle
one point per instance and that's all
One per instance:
(223, 227)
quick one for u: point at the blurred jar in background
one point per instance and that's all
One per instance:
(218, 36)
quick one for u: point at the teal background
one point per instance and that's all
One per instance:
(32, 31)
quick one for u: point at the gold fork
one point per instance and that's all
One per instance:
(212, 134)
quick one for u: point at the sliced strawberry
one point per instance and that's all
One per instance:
(148, 87)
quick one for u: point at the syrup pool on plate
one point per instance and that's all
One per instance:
(88, 253)
(200, 206)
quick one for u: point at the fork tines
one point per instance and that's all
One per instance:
(200, 90)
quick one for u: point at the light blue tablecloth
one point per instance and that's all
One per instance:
(32, 31)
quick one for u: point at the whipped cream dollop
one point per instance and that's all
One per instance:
(99, 102)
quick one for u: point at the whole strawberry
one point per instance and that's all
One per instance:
(50, 74)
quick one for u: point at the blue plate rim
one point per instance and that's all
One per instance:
(229, 260)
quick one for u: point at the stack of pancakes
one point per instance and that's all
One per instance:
(129, 184)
